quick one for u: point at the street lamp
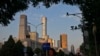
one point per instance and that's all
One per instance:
(36, 26)
(76, 14)
(81, 26)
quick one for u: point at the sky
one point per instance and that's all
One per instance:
(57, 23)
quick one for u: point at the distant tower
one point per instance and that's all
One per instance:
(53, 41)
(63, 41)
(72, 49)
(44, 27)
(23, 28)
(58, 44)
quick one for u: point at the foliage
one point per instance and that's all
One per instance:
(18, 49)
(7, 48)
(14, 49)
(60, 53)
(30, 51)
(71, 54)
(8, 8)
(37, 50)
(83, 50)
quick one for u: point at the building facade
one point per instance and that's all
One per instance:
(58, 44)
(44, 28)
(63, 41)
(33, 35)
(23, 28)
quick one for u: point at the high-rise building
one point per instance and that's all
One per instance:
(23, 28)
(63, 41)
(44, 28)
(72, 49)
(58, 44)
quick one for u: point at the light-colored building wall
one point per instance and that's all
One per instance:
(41, 40)
(32, 36)
(50, 41)
(53, 41)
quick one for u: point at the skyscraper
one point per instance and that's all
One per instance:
(23, 28)
(63, 41)
(44, 28)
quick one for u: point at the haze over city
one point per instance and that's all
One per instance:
(57, 23)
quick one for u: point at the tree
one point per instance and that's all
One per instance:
(37, 51)
(60, 53)
(18, 49)
(92, 17)
(71, 54)
(8, 8)
(30, 51)
(7, 48)
(84, 50)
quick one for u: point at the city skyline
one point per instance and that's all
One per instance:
(57, 23)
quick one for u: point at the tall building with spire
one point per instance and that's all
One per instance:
(23, 28)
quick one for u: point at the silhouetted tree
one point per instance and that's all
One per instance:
(8, 8)
(60, 53)
(37, 51)
(7, 48)
(30, 51)
(71, 54)
(18, 49)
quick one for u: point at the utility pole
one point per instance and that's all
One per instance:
(36, 39)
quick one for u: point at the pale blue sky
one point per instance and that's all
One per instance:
(57, 23)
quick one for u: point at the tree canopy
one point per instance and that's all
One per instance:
(8, 8)
(10, 48)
